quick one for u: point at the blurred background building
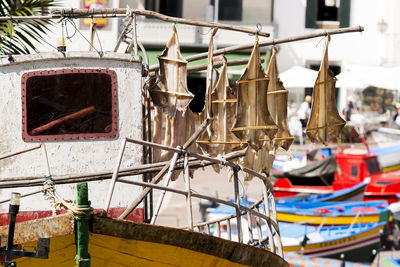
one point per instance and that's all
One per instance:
(366, 64)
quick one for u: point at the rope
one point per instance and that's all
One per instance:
(66, 31)
(58, 201)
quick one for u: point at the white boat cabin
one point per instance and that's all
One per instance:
(81, 106)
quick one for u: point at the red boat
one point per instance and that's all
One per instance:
(343, 170)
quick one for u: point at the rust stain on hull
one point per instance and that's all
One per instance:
(30, 231)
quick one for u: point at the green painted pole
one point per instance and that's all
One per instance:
(82, 258)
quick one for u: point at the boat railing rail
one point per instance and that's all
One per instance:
(26, 150)
(269, 215)
(253, 215)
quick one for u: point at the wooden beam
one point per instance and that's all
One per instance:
(236, 48)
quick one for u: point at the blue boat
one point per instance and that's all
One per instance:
(298, 260)
(391, 262)
(355, 242)
(333, 213)
(354, 193)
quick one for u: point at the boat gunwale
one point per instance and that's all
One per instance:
(70, 55)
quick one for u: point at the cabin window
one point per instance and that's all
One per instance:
(327, 13)
(354, 171)
(229, 9)
(372, 165)
(167, 7)
(69, 104)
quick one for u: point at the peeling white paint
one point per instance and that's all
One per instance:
(71, 157)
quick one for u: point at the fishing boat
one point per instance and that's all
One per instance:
(349, 168)
(78, 117)
(392, 262)
(121, 242)
(299, 260)
(354, 193)
(89, 115)
(334, 213)
(356, 242)
(319, 213)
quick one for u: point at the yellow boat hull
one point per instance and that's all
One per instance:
(122, 243)
(329, 220)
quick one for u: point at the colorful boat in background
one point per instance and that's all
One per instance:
(392, 262)
(354, 193)
(334, 213)
(298, 260)
(346, 169)
(388, 156)
(355, 242)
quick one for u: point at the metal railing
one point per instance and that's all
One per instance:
(267, 219)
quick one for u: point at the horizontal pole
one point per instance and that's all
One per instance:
(236, 48)
(71, 12)
(137, 170)
(216, 64)
(19, 152)
(24, 195)
(202, 224)
(47, 17)
(202, 157)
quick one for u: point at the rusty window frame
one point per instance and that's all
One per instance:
(80, 136)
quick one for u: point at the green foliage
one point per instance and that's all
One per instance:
(18, 36)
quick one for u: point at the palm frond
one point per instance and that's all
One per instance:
(18, 37)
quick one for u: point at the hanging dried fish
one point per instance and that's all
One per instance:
(277, 105)
(209, 78)
(171, 92)
(325, 123)
(253, 121)
(169, 132)
(259, 161)
(207, 113)
(223, 102)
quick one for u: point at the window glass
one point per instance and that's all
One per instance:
(372, 165)
(328, 14)
(229, 10)
(167, 7)
(328, 10)
(69, 104)
(354, 171)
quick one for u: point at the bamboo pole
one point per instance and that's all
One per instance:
(114, 176)
(237, 202)
(137, 170)
(133, 43)
(159, 176)
(236, 48)
(216, 64)
(25, 195)
(197, 195)
(167, 179)
(189, 193)
(71, 12)
(121, 36)
(81, 113)
(203, 157)
(8, 155)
